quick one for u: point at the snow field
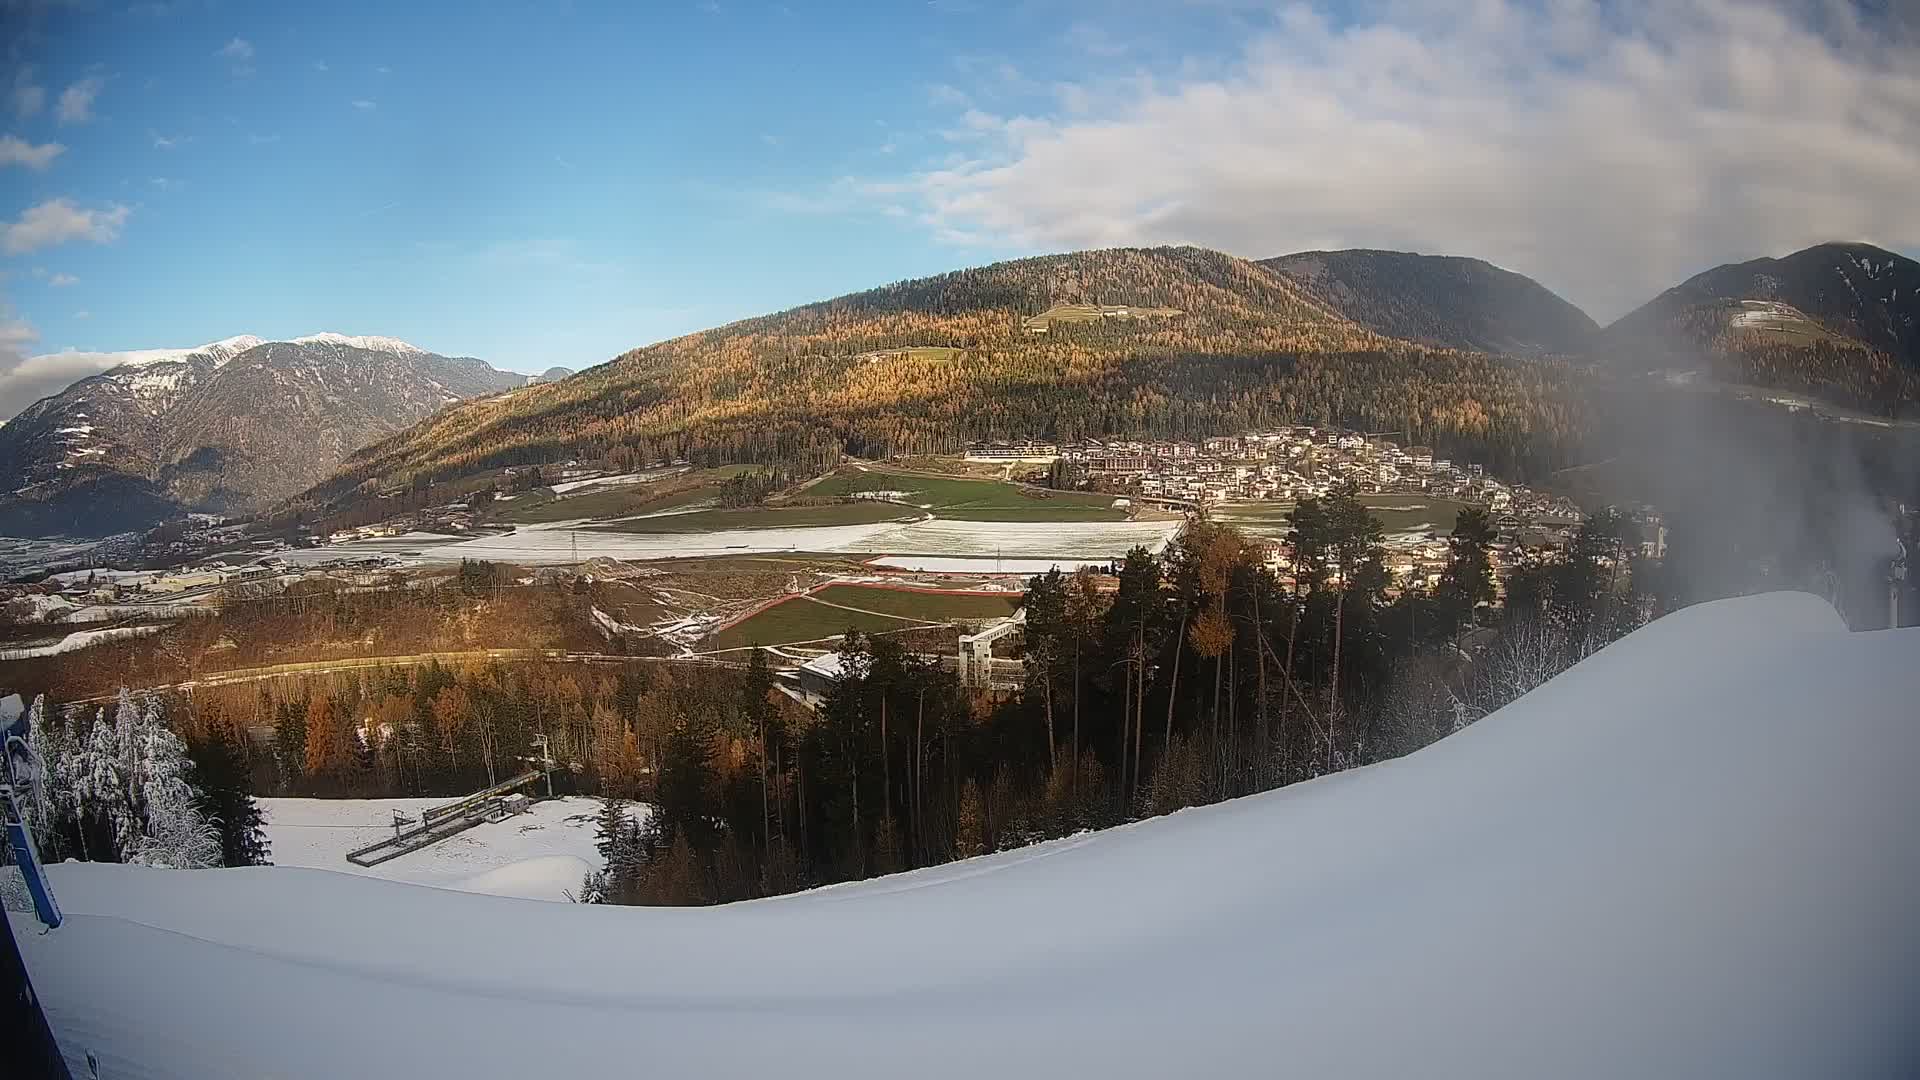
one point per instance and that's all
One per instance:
(556, 542)
(1690, 855)
(540, 855)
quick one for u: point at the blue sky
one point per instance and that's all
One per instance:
(537, 184)
(541, 184)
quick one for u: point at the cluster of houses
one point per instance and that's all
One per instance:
(1303, 462)
(110, 586)
(1288, 465)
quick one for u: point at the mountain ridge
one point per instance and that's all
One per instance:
(1445, 301)
(1175, 340)
(226, 427)
(1836, 320)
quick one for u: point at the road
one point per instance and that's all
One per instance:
(469, 656)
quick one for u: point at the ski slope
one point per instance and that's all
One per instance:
(1692, 855)
(540, 855)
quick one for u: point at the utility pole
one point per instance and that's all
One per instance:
(1896, 580)
(546, 760)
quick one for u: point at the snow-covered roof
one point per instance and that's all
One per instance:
(1658, 864)
(828, 665)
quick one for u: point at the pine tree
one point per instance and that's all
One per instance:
(220, 771)
(970, 835)
(609, 824)
(173, 830)
(176, 835)
(50, 797)
(290, 740)
(1467, 581)
(689, 787)
(101, 780)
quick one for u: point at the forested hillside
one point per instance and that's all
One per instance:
(1840, 321)
(1440, 300)
(929, 365)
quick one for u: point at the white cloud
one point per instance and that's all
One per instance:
(168, 142)
(83, 314)
(321, 65)
(76, 102)
(18, 151)
(164, 183)
(364, 105)
(26, 379)
(1607, 149)
(27, 97)
(57, 221)
(237, 49)
(61, 281)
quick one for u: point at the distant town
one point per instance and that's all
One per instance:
(1235, 477)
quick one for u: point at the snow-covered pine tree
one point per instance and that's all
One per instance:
(593, 888)
(46, 796)
(176, 831)
(177, 835)
(100, 785)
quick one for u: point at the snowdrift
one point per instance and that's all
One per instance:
(1691, 855)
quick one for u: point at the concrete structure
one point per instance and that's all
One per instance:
(1027, 452)
(975, 662)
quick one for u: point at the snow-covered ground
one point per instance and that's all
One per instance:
(559, 542)
(540, 855)
(1691, 855)
(1016, 539)
(616, 480)
(79, 639)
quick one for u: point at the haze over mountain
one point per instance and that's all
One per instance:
(1441, 300)
(1838, 319)
(225, 427)
(1857, 291)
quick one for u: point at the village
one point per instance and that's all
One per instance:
(1252, 481)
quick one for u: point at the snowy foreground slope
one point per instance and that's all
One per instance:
(1693, 855)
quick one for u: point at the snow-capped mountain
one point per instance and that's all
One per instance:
(226, 426)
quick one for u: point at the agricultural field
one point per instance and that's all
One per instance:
(959, 499)
(613, 497)
(865, 512)
(1398, 513)
(800, 619)
(867, 608)
(1092, 313)
(927, 605)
